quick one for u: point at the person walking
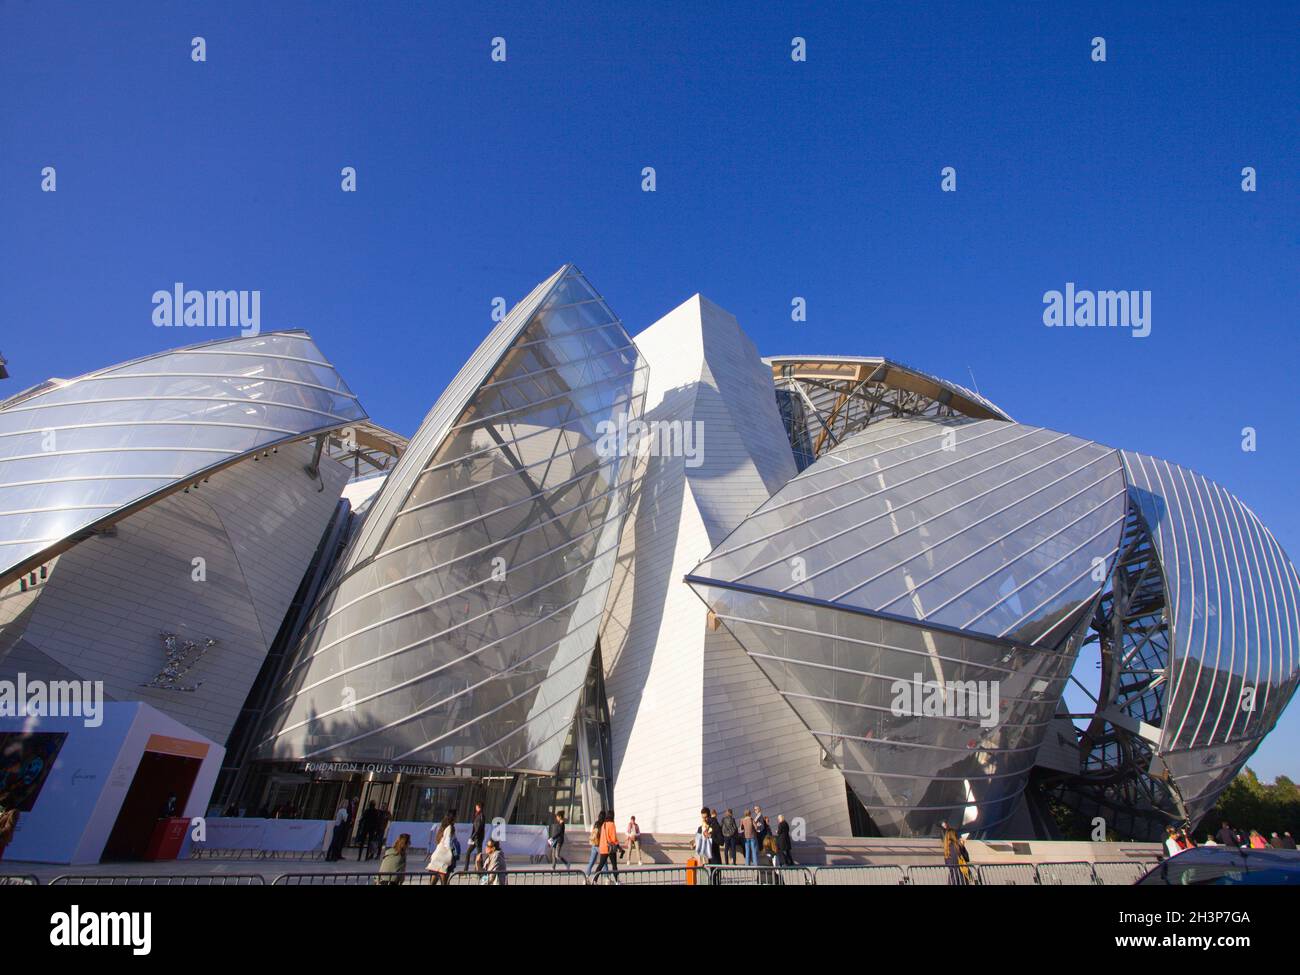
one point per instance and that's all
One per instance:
(1257, 841)
(704, 839)
(593, 837)
(392, 868)
(555, 841)
(441, 862)
(749, 832)
(366, 829)
(381, 833)
(340, 835)
(715, 838)
(494, 865)
(633, 841)
(1288, 841)
(477, 834)
(1226, 836)
(784, 842)
(608, 847)
(1275, 841)
(952, 851)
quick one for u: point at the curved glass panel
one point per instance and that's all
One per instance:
(984, 526)
(460, 624)
(865, 687)
(1233, 614)
(73, 452)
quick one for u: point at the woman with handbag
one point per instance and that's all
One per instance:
(593, 837)
(608, 847)
(441, 860)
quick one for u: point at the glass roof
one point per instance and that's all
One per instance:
(75, 452)
(984, 526)
(463, 617)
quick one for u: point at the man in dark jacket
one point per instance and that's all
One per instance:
(1226, 836)
(730, 837)
(715, 834)
(477, 834)
(366, 830)
(784, 844)
(555, 839)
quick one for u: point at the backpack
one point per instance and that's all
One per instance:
(728, 827)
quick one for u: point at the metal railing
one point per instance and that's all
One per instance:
(199, 852)
(1066, 874)
(160, 880)
(1071, 873)
(852, 875)
(525, 877)
(1121, 873)
(665, 875)
(1007, 875)
(412, 878)
(933, 875)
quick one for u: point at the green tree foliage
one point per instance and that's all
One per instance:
(1250, 804)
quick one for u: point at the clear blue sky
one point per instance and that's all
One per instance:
(775, 179)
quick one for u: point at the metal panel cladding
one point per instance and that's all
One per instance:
(460, 623)
(81, 453)
(1233, 611)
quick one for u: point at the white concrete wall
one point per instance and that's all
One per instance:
(695, 722)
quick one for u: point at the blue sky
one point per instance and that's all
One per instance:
(775, 179)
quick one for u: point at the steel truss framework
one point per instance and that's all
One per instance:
(825, 400)
(1117, 748)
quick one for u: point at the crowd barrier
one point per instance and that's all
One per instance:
(160, 880)
(1074, 873)
(251, 838)
(205, 852)
(414, 878)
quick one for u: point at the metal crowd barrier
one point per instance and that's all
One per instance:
(1119, 873)
(1007, 875)
(852, 875)
(412, 878)
(524, 877)
(160, 880)
(667, 875)
(198, 852)
(1066, 874)
(931, 875)
(1073, 873)
(729, 876)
